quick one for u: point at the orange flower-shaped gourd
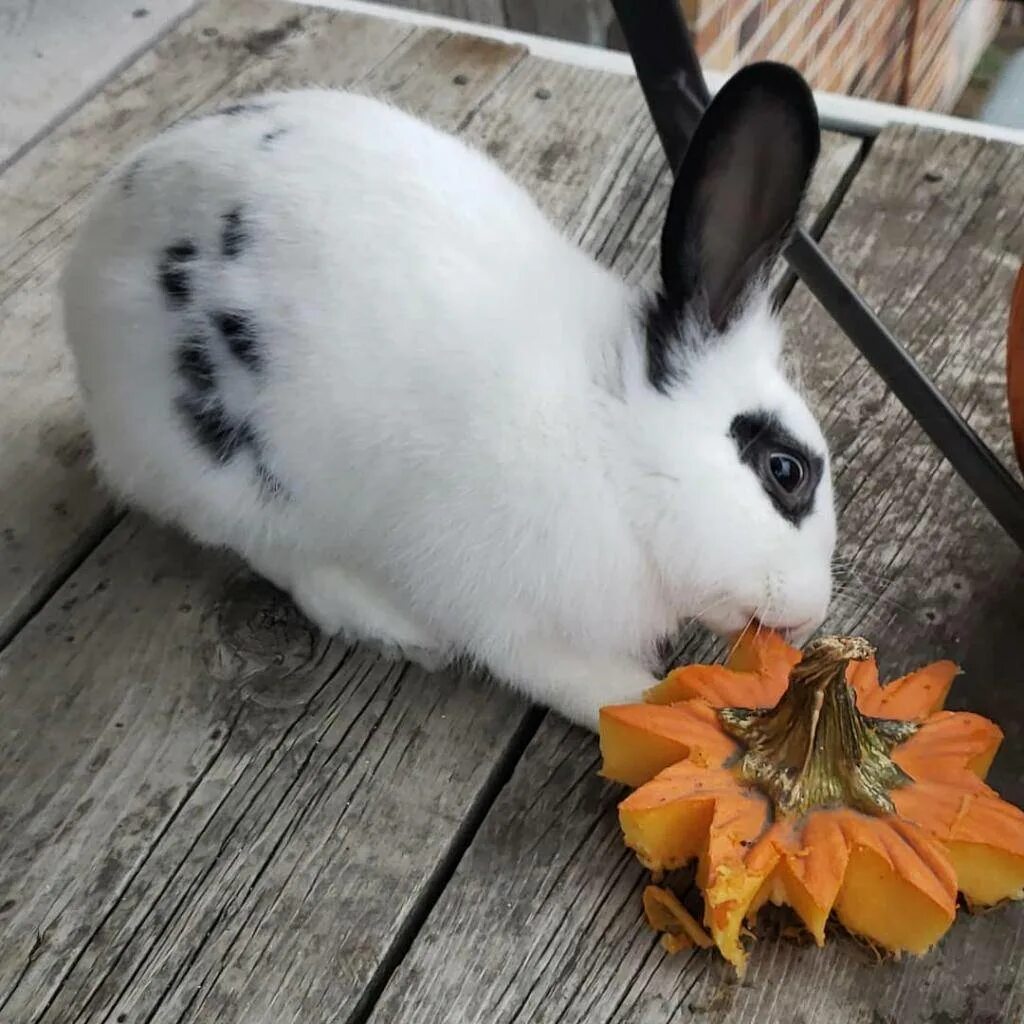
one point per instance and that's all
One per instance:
(798, 779)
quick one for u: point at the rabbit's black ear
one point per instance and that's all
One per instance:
(739, 190)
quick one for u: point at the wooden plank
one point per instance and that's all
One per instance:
(195, 780)
(542, 920)
(216, 787)
(53, 54)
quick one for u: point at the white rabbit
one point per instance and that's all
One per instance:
(321, 333)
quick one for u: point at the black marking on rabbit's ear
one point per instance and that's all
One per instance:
(738, 192)
(759, 437)
(174, 273)
(234, 237)
(270, 137)
(195, 364)
(241, 336)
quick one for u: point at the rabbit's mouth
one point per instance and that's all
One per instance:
(729, 626)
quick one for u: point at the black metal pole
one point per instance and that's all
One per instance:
(673, 84)
(668, 69)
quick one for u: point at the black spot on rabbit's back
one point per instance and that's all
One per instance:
(214, 429)
(234, 236)
(269, 138)
(241, 336)
(195, 365)
(223, 437)
(176, 284)
(235, 109)
(181, 252)
(175, 274)
(270, 486)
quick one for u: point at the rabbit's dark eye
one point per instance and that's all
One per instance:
(787, 470)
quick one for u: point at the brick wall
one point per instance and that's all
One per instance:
(916, 52)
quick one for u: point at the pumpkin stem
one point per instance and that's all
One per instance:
(814, 748)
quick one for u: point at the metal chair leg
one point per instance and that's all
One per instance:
(673, 84)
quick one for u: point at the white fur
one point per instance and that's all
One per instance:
(453, 396)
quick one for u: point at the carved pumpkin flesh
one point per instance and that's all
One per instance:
(801, 780)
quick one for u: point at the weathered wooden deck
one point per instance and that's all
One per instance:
(210, 813)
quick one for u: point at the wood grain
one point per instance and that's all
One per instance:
(198, 784)
(53, 54)
(542, 920)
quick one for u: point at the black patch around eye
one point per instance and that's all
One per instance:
(214, 429)
(195, 366)
(759, 437)
(269, 138)
(241, 337)
(174, 273)
(234, 236)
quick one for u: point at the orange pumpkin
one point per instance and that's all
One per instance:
(801, 780)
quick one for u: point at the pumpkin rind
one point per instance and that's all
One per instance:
(950, 743)
(638, 741)
(913, 697)
(764, 652)
(892, 877)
